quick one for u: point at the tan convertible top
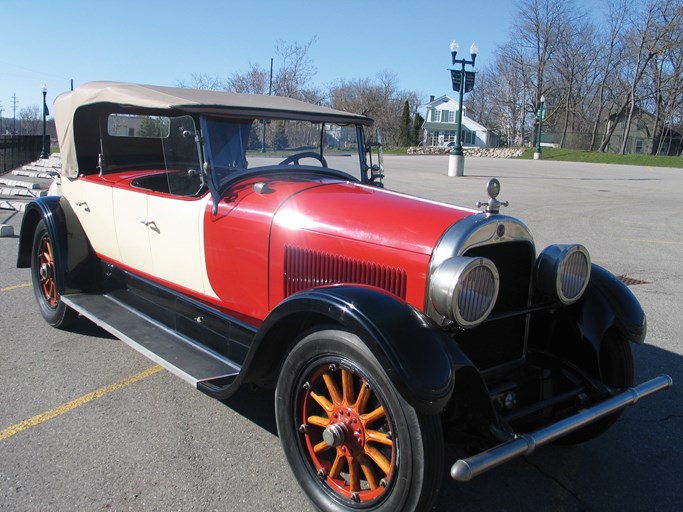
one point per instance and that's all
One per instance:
(158, 98)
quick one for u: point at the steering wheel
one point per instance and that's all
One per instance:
(294, 159)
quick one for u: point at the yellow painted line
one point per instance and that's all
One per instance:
(666, 242)
(15, 287)
(73, 404)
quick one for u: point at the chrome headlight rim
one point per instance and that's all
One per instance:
(563, 268)
(453, 279)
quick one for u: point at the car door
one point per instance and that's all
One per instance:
(132, 227)
(176, 240)
(93, 204)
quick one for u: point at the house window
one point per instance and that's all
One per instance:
(449, 136)
(449, 116)
(640, 146)
(469, 138)
(436, 116)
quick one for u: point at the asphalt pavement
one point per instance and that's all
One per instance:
(86, 423)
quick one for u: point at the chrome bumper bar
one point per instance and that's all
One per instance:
(464, 470)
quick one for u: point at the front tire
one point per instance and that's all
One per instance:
(616, 368)
(43, 276)
(351, 440)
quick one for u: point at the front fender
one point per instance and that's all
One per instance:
(75, 263)
(608, 303)
(419, 358)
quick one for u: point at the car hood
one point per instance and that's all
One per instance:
(369, 214)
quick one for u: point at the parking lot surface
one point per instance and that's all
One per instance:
(86, 423)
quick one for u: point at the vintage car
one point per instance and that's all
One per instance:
(243, 239)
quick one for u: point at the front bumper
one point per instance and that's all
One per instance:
(464, 470)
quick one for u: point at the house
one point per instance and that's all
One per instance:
(669, 140)
(441, 125)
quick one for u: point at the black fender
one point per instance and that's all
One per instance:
(76, 267)
(608, 303)
(421, 360)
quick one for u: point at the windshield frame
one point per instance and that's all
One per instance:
(229, 168)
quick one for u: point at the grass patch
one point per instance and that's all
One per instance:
(595, 157)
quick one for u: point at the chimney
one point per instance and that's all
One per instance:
(431, 98)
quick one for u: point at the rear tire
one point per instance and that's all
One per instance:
(43, 276)
(351, 440)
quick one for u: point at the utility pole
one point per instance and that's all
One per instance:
(14, 114)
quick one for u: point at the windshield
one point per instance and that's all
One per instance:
(235, 145)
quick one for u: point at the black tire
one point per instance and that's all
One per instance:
(384, 455)
(616, 368)
(43, 255)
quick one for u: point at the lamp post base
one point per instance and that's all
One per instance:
(456, 165)
(538, 155)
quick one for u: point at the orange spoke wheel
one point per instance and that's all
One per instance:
(353, 442)
(347, 432)
(46, 271)
(44, 261)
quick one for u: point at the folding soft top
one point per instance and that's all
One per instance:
(93, 97)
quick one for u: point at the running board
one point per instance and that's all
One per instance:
(201, 367)
(464, 470)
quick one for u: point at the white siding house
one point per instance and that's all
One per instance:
(441, 124)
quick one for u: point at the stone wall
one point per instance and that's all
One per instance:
(483, 152)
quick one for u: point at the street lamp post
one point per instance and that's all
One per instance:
(540, 116)
(44, 152)
(462, 82)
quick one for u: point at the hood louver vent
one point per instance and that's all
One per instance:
(306, 269)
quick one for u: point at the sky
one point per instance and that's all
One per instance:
(161, 42)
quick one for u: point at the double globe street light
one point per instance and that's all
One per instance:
(462, 82)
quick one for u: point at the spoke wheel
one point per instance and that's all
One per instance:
(351, 439)
(43, 275)
(46, 271)
(347, 433)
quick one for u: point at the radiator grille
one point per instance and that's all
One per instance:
(306, 269)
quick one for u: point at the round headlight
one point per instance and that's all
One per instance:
(563, 272)
(465, 290)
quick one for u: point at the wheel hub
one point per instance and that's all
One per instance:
(335, 434)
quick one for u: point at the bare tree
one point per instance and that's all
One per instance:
(610, 48)
(540, 28)
(202, 81)
(30, 119)
(379, 99)
(296, 69)
(645, 42)
(255, 80)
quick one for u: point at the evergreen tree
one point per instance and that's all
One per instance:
(416, 135)
(280, 140)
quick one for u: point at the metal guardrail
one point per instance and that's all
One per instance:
(17, 150)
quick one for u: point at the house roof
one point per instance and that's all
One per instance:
(440, 100)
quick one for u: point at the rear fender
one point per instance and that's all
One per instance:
(421, 360)
(76, 267)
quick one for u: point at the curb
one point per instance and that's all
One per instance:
(6, 230)
(18, 184)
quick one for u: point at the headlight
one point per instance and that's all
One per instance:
(465, 290)
(563, 271)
